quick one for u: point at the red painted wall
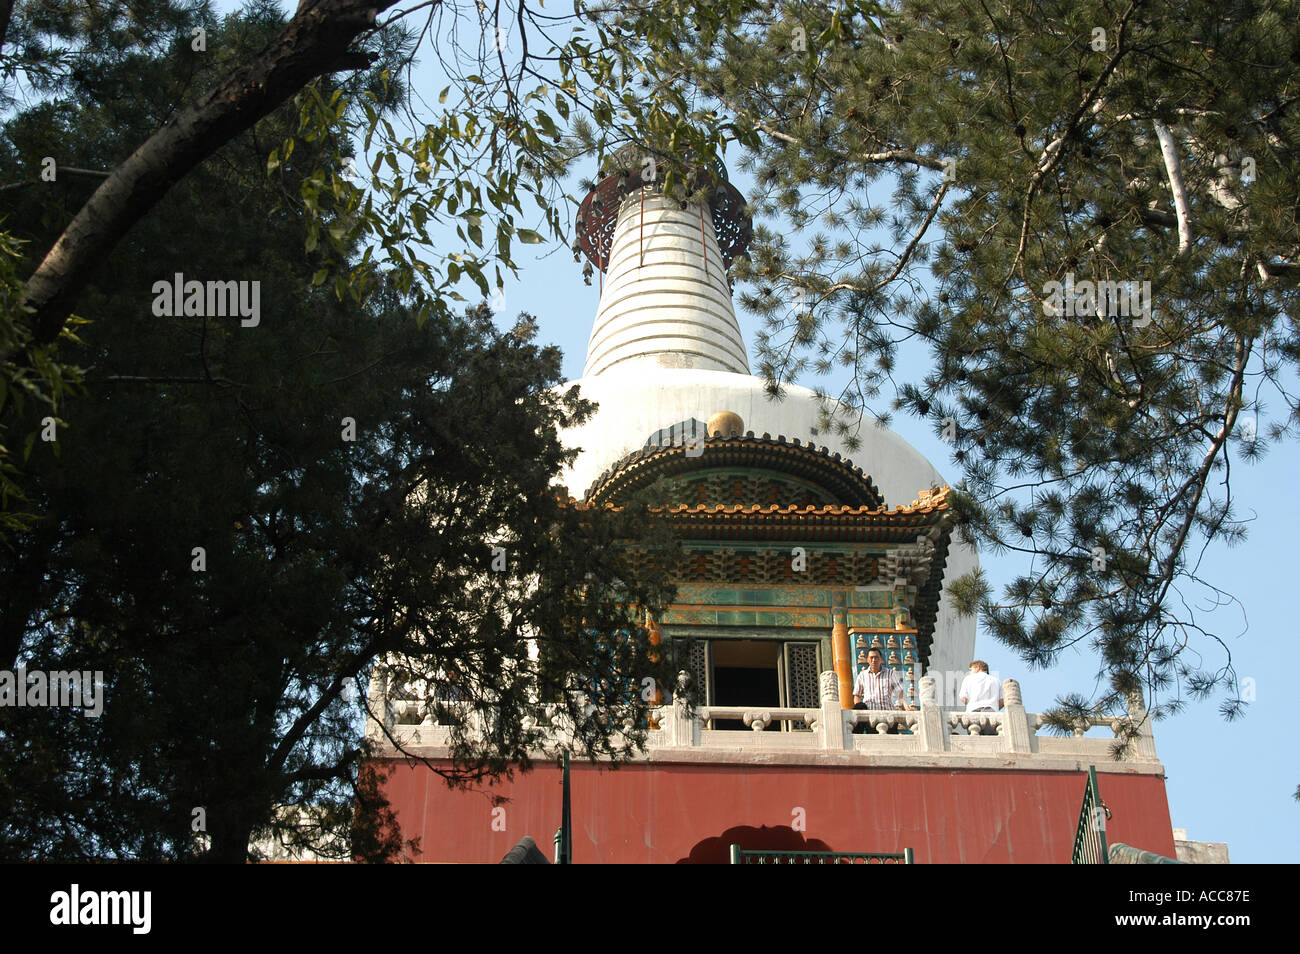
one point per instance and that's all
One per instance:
(690, 813)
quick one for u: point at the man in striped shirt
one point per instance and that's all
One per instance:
(878, 687)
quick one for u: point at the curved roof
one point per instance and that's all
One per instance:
(744, 471)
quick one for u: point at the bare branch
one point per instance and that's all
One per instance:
(1174, 169)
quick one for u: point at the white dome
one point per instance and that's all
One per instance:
(634, 406)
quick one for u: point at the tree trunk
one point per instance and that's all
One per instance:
(314, 42)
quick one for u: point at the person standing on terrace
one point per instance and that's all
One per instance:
(979, 691)
(878, 687)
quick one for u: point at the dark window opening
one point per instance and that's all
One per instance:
(745, 673)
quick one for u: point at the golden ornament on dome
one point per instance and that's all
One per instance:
(725, 424)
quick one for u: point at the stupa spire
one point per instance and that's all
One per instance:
(665, 298)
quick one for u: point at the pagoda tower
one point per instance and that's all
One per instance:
(666, 352)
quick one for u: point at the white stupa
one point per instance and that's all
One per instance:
(666, 348)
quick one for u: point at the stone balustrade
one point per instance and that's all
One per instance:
(758, 719)
(979, 723)
(928, 737)
(882, 721)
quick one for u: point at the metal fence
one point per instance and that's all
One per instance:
(741, 856)
(1090, 836)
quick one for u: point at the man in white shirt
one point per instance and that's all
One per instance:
(980, 692)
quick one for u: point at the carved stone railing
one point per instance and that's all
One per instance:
(759, 719)
(883, 721)
(977, 723)
(930, 736)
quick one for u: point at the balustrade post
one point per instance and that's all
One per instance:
(377, 701)
(681, 727)
(1145, 743)
(1015, 721)
(834, 735)
(932, 729)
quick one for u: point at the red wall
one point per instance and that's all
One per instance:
(677, 813)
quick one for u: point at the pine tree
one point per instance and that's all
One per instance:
(928, 168)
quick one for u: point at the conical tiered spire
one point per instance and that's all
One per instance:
(665, 299)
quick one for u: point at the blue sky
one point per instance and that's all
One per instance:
(1227, 782)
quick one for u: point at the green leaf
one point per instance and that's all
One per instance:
(547, 124)
(529, 237)
(480, 280)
